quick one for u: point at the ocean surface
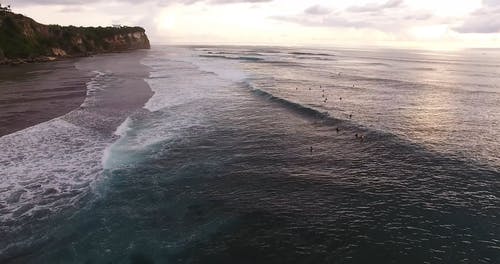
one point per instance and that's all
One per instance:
(265, 155)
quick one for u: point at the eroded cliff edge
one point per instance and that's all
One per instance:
(24, 40)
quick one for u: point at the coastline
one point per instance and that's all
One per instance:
(19, 61)
(124, 93)
(114, 88)
(23, 40)
(6, 62)
(35, 93)
(38, 92)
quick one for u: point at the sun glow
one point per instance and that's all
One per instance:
(428, 24)
(167, 22)
(429, 32)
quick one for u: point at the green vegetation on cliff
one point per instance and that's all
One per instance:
(23, 38)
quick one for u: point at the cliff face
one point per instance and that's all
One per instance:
(21, 38)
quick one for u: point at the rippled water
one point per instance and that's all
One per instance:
(237, 158)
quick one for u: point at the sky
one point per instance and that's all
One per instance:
(427, 24)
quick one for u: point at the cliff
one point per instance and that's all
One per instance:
(24, 40)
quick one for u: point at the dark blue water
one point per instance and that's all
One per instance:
(235, 160)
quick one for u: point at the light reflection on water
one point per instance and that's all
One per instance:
(218, 168)
(447, 101)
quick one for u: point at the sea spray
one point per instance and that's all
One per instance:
(120, 132)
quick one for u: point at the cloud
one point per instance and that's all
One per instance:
(317, 10)
(54, 2)
(419, 16)
(72, 9)
(397, 21)
(159, 2)
(373, 7)
(484, 20)
(486, 23)
(330, 21)
(237, 1)
(491, 2)
(211, 2)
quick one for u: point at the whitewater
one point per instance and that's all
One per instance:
(263, 155)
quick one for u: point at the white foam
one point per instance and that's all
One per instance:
(176, 84)
(226, 69)
(120, 131)
(50, 165)
(178, 70)
(179, 81)
(47, 166)
(93, 86)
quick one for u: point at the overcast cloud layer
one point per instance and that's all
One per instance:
(391, 20)
(484, 20)
(160, 2)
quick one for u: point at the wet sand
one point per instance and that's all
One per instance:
(35, 93)
(125, 91)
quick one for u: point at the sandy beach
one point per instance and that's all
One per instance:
(34, 93)
(125, 91)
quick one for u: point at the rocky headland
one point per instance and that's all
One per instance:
(23, 40)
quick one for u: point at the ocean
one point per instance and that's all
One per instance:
(264, 155)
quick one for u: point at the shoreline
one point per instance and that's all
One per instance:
(19, 61)
(35, 93)
(48, 152)
(7, 62)
(125, 91)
